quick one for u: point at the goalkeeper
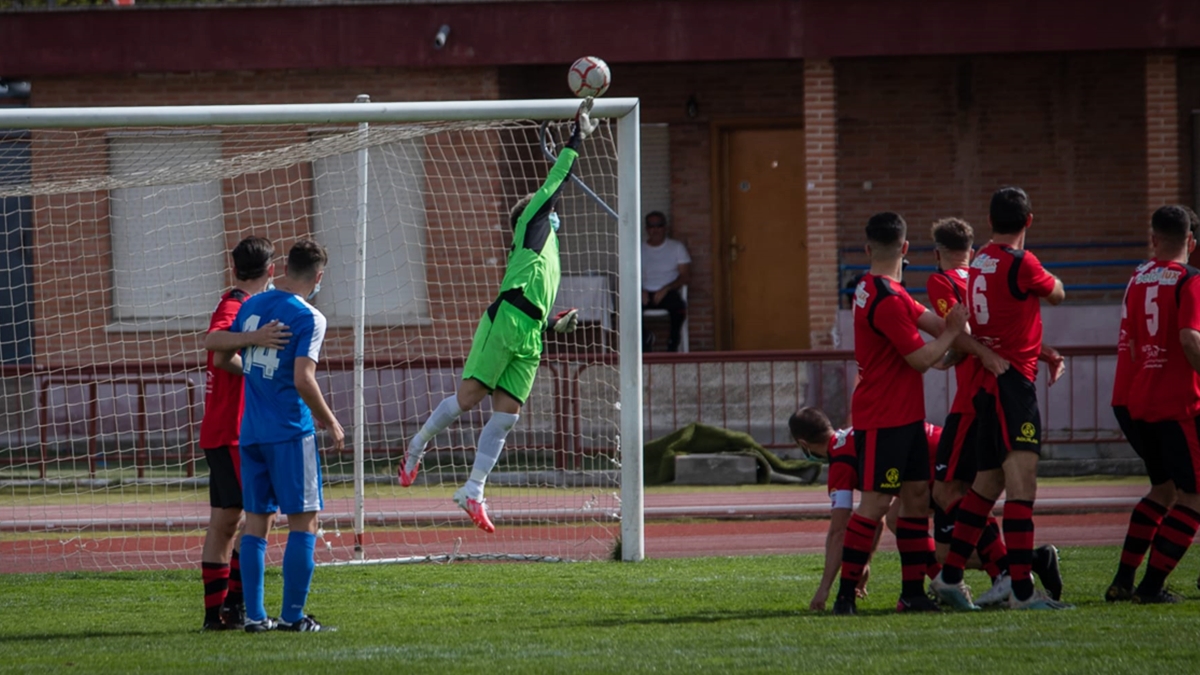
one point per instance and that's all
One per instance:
(507, 347)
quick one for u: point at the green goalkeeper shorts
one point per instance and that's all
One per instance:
(506, 352)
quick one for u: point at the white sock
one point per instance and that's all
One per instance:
(491, 444)
(442, 417)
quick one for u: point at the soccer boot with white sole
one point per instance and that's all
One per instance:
(957, 595)
(1039, 600)
(1045, 566)
(998, 593)
(476, 509)
(252, 626)
(306, 624)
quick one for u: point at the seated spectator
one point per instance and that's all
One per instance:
(666, 268)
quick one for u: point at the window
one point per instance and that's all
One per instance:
(396, 288)
(167, 238)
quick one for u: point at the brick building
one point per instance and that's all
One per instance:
(908, 105)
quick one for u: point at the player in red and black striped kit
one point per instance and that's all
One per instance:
(1160, 325)
(223, 608)
(888, 408)
(954, 468)
(1004, 291)
(814, 433)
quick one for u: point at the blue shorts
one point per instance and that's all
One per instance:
(282, 477)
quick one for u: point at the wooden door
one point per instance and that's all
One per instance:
(765, 239)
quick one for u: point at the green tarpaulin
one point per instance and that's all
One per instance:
(695, 439)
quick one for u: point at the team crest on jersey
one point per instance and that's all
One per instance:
(891, 478)
(860, 294)
(985, 263)
(943, 306)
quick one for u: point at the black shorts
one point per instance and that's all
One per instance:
(891, 456)
(956, 449)
(224, 477)
(1130, 429)
(1007, 419)
(1171, 451)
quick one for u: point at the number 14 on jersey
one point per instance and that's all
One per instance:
(263, 357)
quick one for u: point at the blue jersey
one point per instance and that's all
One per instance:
(274, 411)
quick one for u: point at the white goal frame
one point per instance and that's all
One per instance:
(624, 110)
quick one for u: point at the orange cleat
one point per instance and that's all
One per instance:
(408, 477)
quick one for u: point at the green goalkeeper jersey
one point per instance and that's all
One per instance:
(531, 280)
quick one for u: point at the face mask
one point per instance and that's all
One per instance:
(316, 289)
(554, 221)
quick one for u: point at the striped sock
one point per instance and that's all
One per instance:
(969, 522)
(1143, 525)
(992, 552)
(1170, 544)
(216, 585)
(916, 547)
(235, 581)
(856, 552)
(1018, 537)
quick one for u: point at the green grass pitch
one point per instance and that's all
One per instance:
(736, 615)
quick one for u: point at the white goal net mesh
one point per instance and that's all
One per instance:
(117, 245)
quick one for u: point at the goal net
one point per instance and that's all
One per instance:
(118, 225)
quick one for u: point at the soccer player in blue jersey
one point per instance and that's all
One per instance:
(281, 470)
(507, 348)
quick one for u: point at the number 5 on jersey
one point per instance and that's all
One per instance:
(263, 357)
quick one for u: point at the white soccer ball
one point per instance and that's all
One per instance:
(589, 76)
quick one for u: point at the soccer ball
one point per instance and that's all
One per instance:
(589, 76)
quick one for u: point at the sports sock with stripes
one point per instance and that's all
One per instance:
(856, 552)
(235, 581)
(1018, 538)
(916, 549)
(992, 552)
(969, 521)
(216, 586)
(298, 564)
(1170, 543)
(1143, 525)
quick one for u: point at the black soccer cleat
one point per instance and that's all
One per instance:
(1045, 566)
(267, 624)
(233, 616)
(845, 607)
(917, 603)
(1118, 593)
(306, 624)
(1162, 597)
(213, 626)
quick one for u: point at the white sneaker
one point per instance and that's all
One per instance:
(1039, 600)
(957, 595)
(999, 592)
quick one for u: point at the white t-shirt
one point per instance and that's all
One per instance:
(660, 264)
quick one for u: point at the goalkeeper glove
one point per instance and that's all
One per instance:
(565, 321)
(584, 124)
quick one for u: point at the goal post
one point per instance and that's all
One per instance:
(123, 220)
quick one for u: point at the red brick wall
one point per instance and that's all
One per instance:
(73, 279)
(820, 126)
(936, 136)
